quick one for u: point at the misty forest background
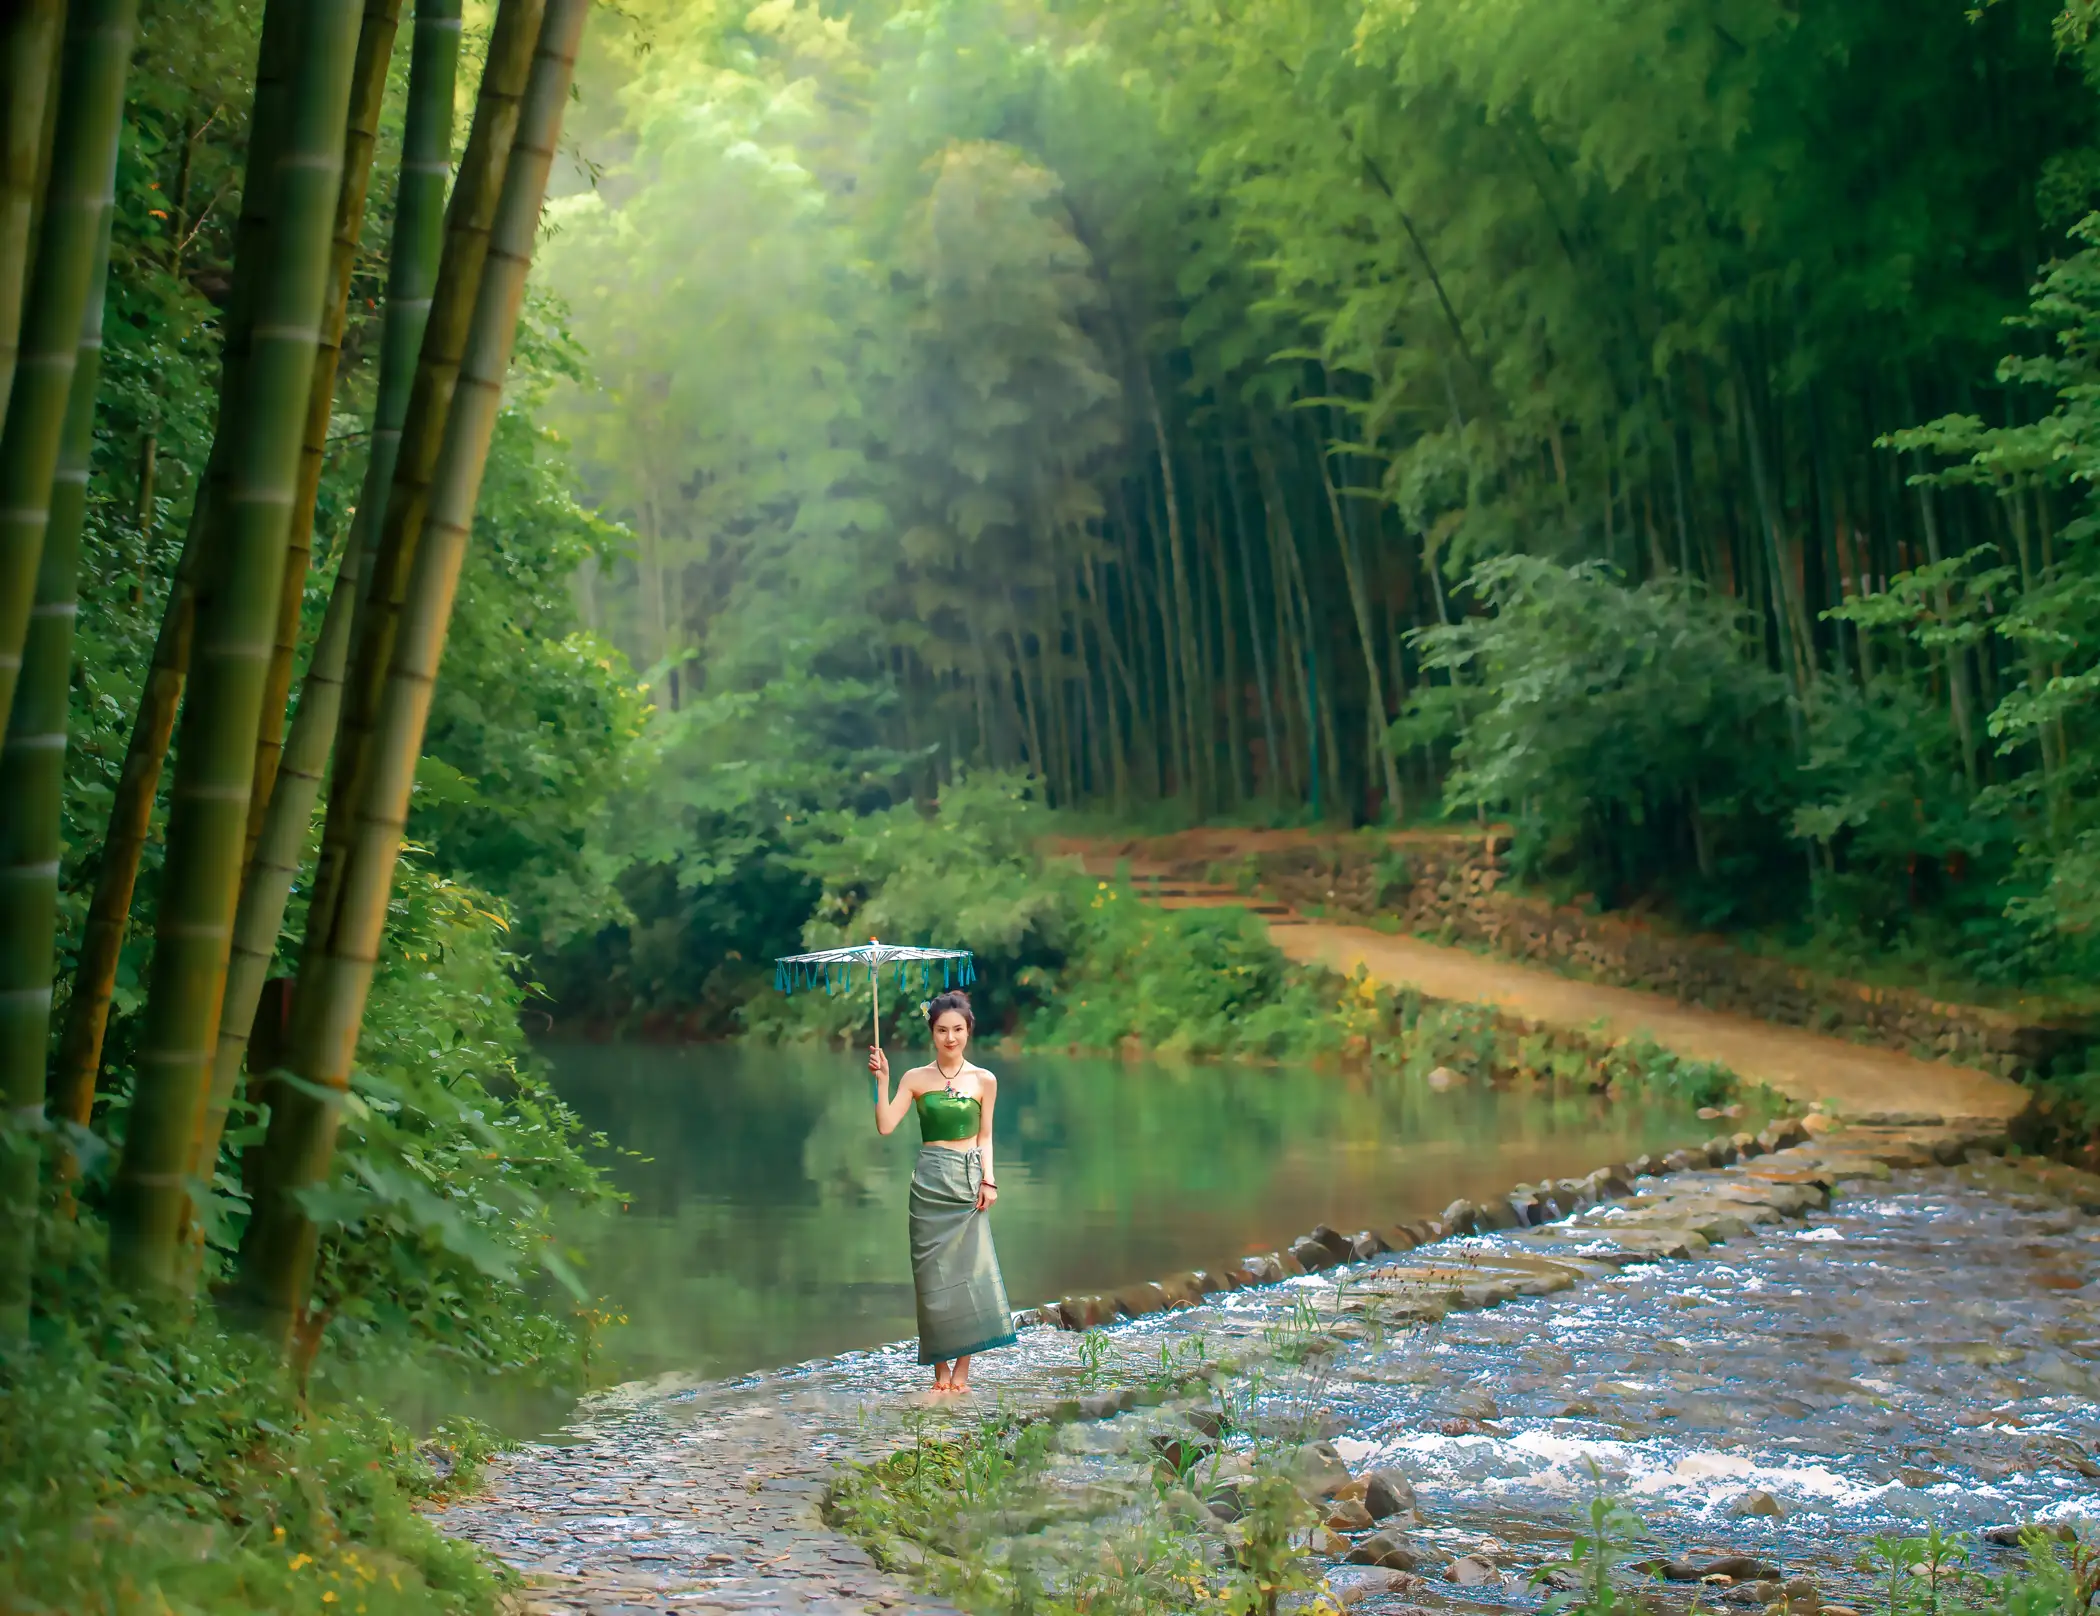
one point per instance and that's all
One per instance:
(1664, 427)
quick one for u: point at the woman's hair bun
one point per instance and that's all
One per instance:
(954, 999)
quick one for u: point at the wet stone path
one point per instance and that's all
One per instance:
(1757, 1368)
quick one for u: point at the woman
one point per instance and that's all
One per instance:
(962, 1299)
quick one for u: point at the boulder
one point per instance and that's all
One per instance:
(2013, 1537)
(1739, 1568)
(1135, 1301)
(1399, 1237)
(1818, 1123)
(1312, 1255)
(1208, 1423)
(1184, 1289)
(1385, 1550)
(1461, 1217)
(1349, 1515)
(1228, 1499)
(1260, 1270)
(1682, 1161)
(1289, 1263)
(1758, 1502)
(1471, 1571)
(1746, 1146)
(1366, 1244)
(1179, 1453)
(1318, 1471)
(1333, 1239)
(1503, 1212)
(1388, 1494)
(1721, 1151)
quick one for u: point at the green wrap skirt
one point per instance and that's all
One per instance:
(962, 1299)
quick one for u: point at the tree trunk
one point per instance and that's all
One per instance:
(1360, 607)
(96, 56)
(138, 785)
(32, 792)
(236, 616)
(375, 51)
(1184, 609)
(29, 43)
(419, 233)
(468, 220)
(277, 1259)
(1272, 758)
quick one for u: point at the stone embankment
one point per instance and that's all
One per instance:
(707, 1497)
(1525, 1206)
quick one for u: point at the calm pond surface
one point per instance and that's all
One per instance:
(766, 1218)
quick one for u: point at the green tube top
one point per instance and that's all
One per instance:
(945, 1117)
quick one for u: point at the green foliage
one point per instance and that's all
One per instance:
(537, 728)
(1627, 729)
(457, 1163)
(146, 1466)
(946, 1508)
(1598, 1554)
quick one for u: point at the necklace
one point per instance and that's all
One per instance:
(948, 1078)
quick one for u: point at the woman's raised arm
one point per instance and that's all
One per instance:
(889, 1109)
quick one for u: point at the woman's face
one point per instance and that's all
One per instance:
(951, 1035)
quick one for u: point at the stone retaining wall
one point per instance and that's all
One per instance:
(1451, 886)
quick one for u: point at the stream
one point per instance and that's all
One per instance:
(1924, 1350)
(766, 1218)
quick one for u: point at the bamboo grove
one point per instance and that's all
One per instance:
(1136, 394)
(224, 741)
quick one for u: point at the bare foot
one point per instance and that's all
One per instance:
(958, 1386)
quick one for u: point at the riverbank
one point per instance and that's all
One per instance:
(709, 1496)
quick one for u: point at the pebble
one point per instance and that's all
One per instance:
(1759, 1502)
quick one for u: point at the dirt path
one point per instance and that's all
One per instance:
(1855, 1079)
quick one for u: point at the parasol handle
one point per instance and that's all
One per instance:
(875, 995)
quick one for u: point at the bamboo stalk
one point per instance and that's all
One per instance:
(28, 61)
(375, 50)
(153, 727)
(90, 112)
(236, 615)
(1360, 608)
(468, 220)
(32, 792)
(1272, 760)
(277, 1259)
(1184, 608)
(79, 1060)
(273, 865)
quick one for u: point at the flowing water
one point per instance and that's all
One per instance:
(1927, 1350)
(766, 1218)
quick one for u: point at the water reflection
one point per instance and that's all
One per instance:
(766, 1219)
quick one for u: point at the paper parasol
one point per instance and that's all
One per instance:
(833, 968)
